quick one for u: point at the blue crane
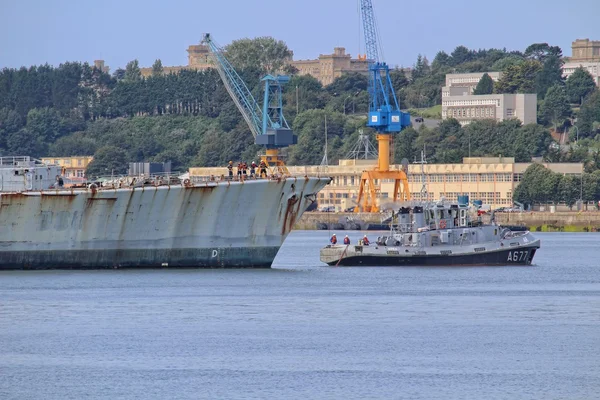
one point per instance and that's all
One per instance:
(267, 123)
(384, 116)
(384, 112)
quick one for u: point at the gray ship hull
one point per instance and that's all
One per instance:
(514, 250)
(213, 225)
(522, 256)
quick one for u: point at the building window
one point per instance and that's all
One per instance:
(509, 113)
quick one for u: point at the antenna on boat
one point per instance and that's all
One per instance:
(423, 181)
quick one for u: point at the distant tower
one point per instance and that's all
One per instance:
(198, 57)
(100, 65)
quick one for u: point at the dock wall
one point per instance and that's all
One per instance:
(571, 221)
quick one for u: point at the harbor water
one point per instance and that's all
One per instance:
(303, 330)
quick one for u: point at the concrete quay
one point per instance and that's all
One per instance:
(535, 221)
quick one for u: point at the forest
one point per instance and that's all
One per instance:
(189, 119)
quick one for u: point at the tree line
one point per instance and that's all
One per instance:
(189, 119)
(539, 185)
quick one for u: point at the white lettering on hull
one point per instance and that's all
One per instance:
(517, 255)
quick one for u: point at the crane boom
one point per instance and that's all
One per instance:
(237, 89)
(368, 17)
(267, 123)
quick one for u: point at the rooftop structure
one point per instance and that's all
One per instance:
(73, 168)
(585, 50)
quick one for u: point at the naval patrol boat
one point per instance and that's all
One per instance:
(438, 234)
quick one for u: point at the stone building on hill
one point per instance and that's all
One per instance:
(585, 50)
(198, 59)
(327, 67)
(585, 54)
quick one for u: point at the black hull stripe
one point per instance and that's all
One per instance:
(227, 257)
(520, 256)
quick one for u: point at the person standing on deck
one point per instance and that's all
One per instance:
(253, 169)
(263, 169)
(230, 168)
(366, 241)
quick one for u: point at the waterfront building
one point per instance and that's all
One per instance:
(490, 179)
(73, 168)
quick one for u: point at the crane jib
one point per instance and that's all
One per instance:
(267, 123)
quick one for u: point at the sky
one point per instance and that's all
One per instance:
(36, 32)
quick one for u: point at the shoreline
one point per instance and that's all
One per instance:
(535, 221)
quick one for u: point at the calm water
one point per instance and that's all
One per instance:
(306, 331)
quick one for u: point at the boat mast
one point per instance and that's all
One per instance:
(423, 181)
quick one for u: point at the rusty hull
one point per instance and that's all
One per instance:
(216, 224)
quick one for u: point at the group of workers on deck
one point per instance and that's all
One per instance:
(364, 241)
(242, 169)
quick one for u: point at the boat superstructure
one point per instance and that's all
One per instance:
(144, 221)
(438, 233)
